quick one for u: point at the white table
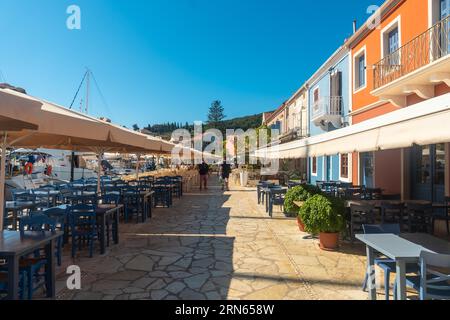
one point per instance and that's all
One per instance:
(403, 249)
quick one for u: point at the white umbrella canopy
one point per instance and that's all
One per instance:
(28, 122)
(61, 128)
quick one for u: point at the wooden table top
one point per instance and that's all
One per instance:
(12, 243)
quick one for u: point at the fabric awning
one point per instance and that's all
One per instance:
(424, 123)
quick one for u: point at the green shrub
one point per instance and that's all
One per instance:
(323, 214)
(298, 193)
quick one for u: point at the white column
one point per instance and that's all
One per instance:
(2, 181)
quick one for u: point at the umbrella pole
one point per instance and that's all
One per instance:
(2, 181)
(137, 167)
(99, 172)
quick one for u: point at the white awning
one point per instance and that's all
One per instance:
(424, 123)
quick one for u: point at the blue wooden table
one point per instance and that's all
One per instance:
(403, 249)
(13, 246)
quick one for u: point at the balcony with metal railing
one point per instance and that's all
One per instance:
(415, 67)
(327, 110)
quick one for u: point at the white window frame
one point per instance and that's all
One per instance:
(356, 57)
(396, 23)
(350, 168)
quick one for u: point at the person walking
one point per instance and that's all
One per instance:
(225, 171)
(203, 170)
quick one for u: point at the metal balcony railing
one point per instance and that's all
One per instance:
(327, 106)
(421, 51)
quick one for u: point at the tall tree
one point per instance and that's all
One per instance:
(216, 113)
(135, 127)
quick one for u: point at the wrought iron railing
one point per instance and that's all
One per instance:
(421, 51)
(327, 106)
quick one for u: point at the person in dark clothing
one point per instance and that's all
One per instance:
(225, 170)
(203, 170)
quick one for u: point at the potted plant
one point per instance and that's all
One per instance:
(295, 198)
(324, 216)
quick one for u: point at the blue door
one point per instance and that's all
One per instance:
(428, 173)
(367, 166)
(328, 169)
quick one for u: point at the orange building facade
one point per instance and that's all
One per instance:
(401, 57)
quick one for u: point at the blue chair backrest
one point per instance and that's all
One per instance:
(82, 214)
(21, 195)
(55, 212)
(434, 283)
(382, 229)
(37, 222)
(110, 198)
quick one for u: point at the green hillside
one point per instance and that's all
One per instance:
(165, 130)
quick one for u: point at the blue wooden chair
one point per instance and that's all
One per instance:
(162, 196)
(131, 200)
(83, 227)
(420, 217)
(32, 266)
(387, 265)
(60, 217)
(113, 199)
(443, 215)
(431, 284)
(4, 283)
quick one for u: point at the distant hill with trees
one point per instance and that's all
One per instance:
(165, 129)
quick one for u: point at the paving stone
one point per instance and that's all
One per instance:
(133, 290)
(127, 275)
(176, 287)
(158, 284)
(104, 285)
(85, 295)
(196, 282)
(188, 294)
(158, 294)
(179, 274)
(251, 257)
(212, 295)
(143, 282)
(141, 262)
(140, 296)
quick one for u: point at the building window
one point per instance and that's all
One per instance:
(390, 43)
(344, 166)
(316, 96)
(314, 165)
(360, 69)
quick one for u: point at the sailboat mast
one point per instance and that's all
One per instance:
(88, 80)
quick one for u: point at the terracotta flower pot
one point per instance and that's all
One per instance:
(329, 241)
(301, 225)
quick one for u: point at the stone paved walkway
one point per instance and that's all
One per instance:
(215, 245)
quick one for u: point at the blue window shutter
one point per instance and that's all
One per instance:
(393, 41)
(362, 74)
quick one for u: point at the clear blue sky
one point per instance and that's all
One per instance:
(166, 60)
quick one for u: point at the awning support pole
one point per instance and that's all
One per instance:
(99, 172)
(137, 166)
(2, 180)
